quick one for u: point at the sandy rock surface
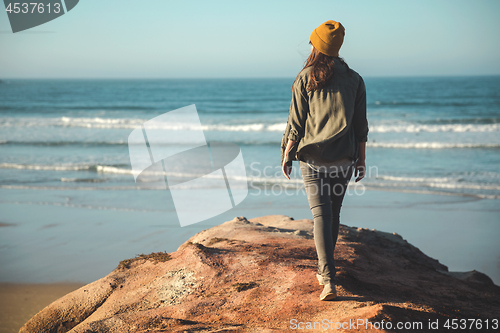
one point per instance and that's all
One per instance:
(260, 276)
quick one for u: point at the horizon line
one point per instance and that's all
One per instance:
(237, 78)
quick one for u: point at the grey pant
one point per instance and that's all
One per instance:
(325, 192)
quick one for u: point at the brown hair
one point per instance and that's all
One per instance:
(322, 68)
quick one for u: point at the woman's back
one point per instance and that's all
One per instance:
(331, 120)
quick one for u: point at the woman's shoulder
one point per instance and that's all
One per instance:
(304, 74)
(352, 78)
(302, 79)
(342, 68)
(355, 74)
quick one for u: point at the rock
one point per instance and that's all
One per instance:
(472, 276)
(259, 275)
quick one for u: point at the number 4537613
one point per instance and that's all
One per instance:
(33, 7)
(471, 324)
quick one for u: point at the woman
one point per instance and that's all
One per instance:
(327, 132)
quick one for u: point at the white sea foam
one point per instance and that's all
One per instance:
(131, 123)
(279, 127)
(82, 180)
(62, 167)
(435, 182)
(105, 169)
(416, 179)
(68, 167)
(72, 122)
(79, 188)
(112, 169)
(451, 185)
(417, 128)
(430, 145)
(236, 128)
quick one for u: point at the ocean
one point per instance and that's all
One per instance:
(67, 189)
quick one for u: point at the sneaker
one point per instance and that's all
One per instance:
(320, 279)
(328, 292)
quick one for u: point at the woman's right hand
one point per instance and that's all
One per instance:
(287, 170)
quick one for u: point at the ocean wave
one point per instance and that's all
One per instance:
(425, 103)
(59, 108)
(83, 180)
(393, 181)
(474, 121)
(433, 192)
(429, 185)
(435, 182)
(106, 107)
(416, 179)
(68, 167)
(119, 169)
(95, 122)
(431, 145)
(398, 184)
(132, 123)
(255, 142)
(417, 128)
(424, 185)
(63, 143)
(390, 145)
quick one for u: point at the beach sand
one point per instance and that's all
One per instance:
(20, 302)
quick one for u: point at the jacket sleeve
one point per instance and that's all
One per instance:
(359, 119)
(299, 109)
(297, 114)
(284, 141)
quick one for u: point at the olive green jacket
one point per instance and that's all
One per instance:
(329, 123)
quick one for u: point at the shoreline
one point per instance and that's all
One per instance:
(368, 187)
(21, 301)
(460, 231)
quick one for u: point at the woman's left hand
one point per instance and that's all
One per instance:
(360, 170)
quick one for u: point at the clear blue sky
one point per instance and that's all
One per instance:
(163, 39)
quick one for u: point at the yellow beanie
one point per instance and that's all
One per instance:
(328, 38)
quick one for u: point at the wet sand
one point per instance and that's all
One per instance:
(19, 302)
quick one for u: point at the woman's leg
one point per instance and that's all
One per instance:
(318, 194)
(325, 194)
(338, 186)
